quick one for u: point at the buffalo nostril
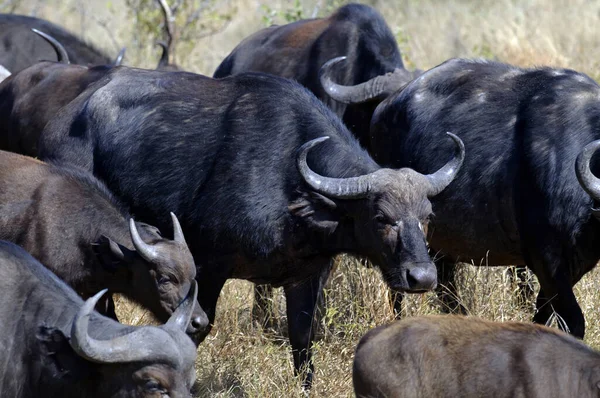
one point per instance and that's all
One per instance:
(198, 324)
(422, 278)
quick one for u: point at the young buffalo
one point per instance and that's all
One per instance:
(72, 224)
(455, 356)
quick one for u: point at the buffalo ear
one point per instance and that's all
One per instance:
(111, 254)
(57, 355)
(318, 211)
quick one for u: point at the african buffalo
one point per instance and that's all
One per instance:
(20, 49)
(229, 156)
(30, 98)
(71, 223)
(456, 356)
(55, 345)
(517, 200)
(298, 51)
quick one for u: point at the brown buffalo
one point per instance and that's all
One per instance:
(71, 223)
(456, 356)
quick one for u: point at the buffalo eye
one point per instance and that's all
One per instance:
(163, 280)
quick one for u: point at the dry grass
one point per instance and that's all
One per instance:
(238, 358)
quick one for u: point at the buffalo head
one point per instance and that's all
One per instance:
(161, 270)
(114, 360)
(389, 211)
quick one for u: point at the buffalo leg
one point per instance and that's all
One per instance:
(262, 308)
(446, 291)
(209, 288)
(556, 295)
(301, 300)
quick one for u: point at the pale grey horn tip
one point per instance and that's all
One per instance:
(459, 143)
(88, 306)
(97, 296)
(335, 60)
(308, 145)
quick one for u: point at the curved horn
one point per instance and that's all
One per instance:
(61, 53)
(444, 176)
(379, 87)
(589, 182)
(145, 250)
(142, 344)
(341, 188)
(182, 315)
(120, 56)
(177, 231)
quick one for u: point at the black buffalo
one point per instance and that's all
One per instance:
(55, 345)
(30, 98)
(69, 221)
(517, 200)
(298, 51)
(455, 356)
(19, 48)
(229, 157)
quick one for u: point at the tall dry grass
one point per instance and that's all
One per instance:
(239, 359)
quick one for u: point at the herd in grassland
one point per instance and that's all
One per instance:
(310, 140)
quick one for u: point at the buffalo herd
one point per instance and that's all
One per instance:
(310, 140)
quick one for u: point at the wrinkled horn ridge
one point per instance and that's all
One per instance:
(589, 182)
(341, 188)
(444, 176)
(379, 87)
(142, 344)
(61, 53)
(148, 252)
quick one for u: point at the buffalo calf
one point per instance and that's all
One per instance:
(455, 356)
